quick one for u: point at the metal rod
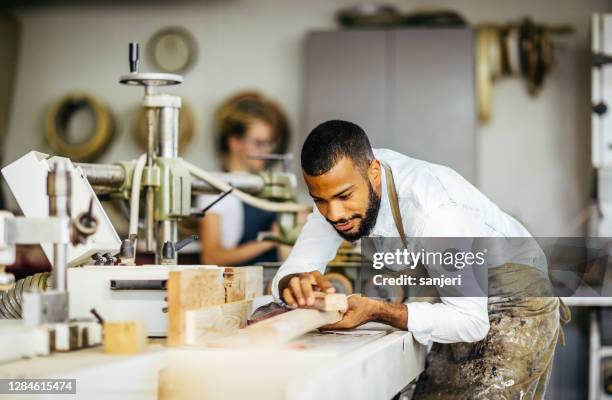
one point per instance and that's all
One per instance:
(245, 182)
(59, 190)
(149, 221)
(106, 178)
(168, 132)
(150, 194)
(167, 148)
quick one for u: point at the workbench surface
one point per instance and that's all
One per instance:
(373, 362)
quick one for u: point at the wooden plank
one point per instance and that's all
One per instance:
(243, 283)
(191, 289)
(279, 329)
(290, 325)
(125, 337)
(211, 322)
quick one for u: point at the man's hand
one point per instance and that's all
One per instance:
(297, 290)
(360, 310)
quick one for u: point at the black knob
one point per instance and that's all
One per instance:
(600, 108)
(133, 57)
(127, 249)
(601, 59)
(168, 251)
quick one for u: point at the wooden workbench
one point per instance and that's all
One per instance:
(373, 362)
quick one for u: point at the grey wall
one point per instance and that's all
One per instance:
(411, 90)
(533, 158)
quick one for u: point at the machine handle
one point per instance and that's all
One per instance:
(600, 108)
(138, 284)
(208, 207)
(170, 249)
(184, 242)
(133, 57)
(601, 59)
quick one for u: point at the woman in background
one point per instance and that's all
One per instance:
(248, 126)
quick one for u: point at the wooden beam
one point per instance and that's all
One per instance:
(191, 289)
(196, 289)
(290, 325)
(279, 329)
(211, 322)
(243, 283)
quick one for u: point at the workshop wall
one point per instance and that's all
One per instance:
(534, 157)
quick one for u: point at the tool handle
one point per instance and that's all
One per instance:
(133, 54)
(184, 242)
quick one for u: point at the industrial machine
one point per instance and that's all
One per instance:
(94, 274)
(102, 274)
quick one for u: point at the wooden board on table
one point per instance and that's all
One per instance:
(280, 329)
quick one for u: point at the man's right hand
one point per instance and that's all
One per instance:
(297, 290)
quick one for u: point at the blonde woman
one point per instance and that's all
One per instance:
(249, 126)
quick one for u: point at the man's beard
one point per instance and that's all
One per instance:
(367, 221)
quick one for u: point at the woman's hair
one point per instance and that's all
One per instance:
(233, 117)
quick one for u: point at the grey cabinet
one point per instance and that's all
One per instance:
(412, 90)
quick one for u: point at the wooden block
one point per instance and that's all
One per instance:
(90, 334)
(65, 337)
(125, 337)
(215, 321)
(330, 302)
(243, 283)
(191, 289)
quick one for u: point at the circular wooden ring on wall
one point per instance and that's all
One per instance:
(484, 89)
(95, 143)
(513, 47)
(173, 49)
(495, 53)
(186, 128)
(394, 294)
(340, 282)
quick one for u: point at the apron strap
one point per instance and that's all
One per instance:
(394, 203)
(565, 316)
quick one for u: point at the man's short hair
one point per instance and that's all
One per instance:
(329, 142)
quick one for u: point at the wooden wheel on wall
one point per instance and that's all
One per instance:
(64, 135)
(340, 282)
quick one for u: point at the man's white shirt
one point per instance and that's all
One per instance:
(434, 201)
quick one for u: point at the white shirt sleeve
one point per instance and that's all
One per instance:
(316, 246)
(455, 319)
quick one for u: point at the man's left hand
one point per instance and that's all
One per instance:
(360, 310)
